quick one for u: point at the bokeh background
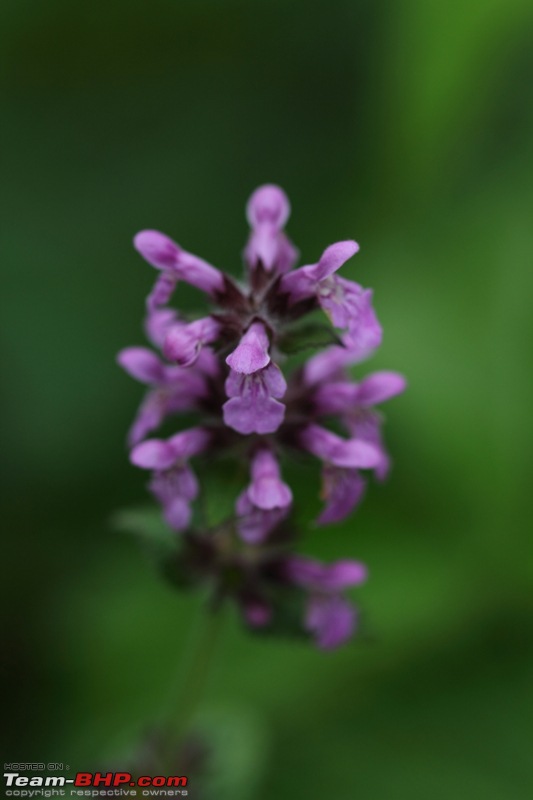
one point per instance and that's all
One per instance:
(407, 125)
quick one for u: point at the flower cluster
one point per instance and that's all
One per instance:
(233, 368)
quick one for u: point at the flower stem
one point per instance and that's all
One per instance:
(182, 708)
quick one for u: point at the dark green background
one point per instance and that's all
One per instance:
(407, 125)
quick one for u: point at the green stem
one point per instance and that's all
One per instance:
(181, 710)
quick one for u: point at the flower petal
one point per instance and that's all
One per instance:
(253, 415)
(333, 258)
(380, 386)
(332, 620)
(267, 490)
(177, 514)
(341, 452)
(153, 454)
(343, 490)
(269, 204)
(142, 364)
(156, 248)
(251, 354)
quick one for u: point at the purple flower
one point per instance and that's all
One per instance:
(341, 397)
(164, 254)
(157, 324)
(331, 619)
(342, 484)
(353, 402)
(165, 453)
(329, 616)
(335, 450)
(348, 305)
(233, 368)
(162, 291)
(153, 454)
(254, 405)
(330, 363)
(266, 501)
(307, 281)
(267, 490)
(183, 343)
(267, 211)
(255, 524)
(175, 488)
(173, 482)
(366, 425)
(326, 578)
(342, 489)
(251, 354)
(172, 389)
(143, 365)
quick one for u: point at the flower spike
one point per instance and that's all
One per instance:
(259, 408)
(267, 212)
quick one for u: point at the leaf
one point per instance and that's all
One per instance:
(311, 335)
(237, 742)
(147, 526)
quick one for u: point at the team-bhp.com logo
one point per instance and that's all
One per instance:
(31, 786)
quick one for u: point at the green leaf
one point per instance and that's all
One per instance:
(238, 745)
(147, 526)
(311, 335)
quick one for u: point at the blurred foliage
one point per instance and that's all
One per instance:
(407, 125)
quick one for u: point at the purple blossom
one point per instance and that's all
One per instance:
(342, 489)
(335, 450)
(164, 254)
(183, 343)
(231, 369)
(266, 501)
(267, 211)
(175, 488)
(341, 397)
(353, 403)
(307, 281)
(348, 305)
(157, 324)
(367, 425)
(172, 389)
(326, 578)
(162, 291)
(254, 405)
(254, 524)
(330, 363)
(329, 616)
(173, 482)
(165, 453)
(143, 365)
(267, 490)
(251, 354)
(331, 619)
